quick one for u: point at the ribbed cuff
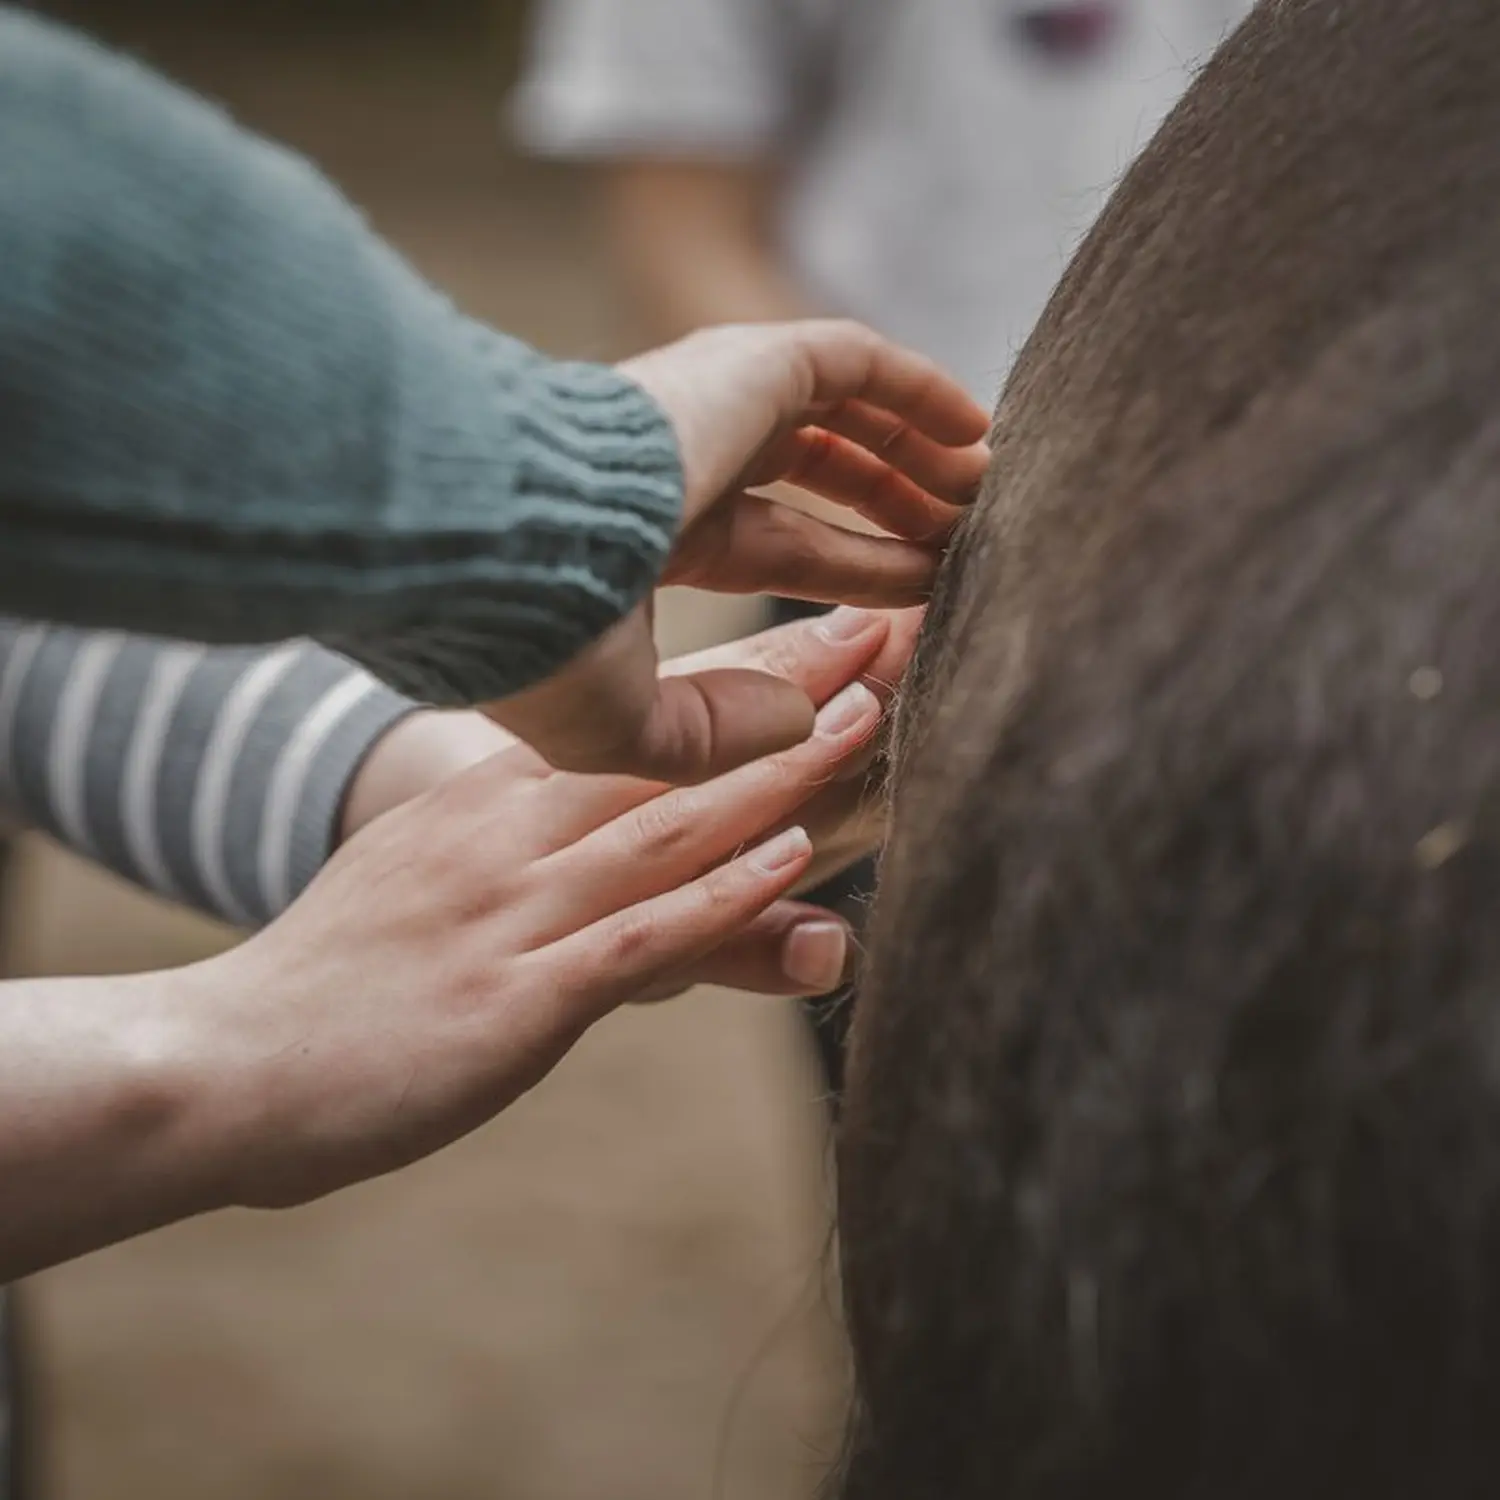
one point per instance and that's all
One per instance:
(595, 499)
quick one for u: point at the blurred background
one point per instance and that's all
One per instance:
(619, 1288)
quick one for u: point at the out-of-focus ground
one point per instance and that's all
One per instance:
(618, 1289)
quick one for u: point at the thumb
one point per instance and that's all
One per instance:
(699, 727)
(607, 711)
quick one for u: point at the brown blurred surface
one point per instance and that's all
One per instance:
(616, 1290)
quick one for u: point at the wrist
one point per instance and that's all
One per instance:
(184, 1069)
(225, 1095)
(225, 1071)
(416, 754)
(104, 1109)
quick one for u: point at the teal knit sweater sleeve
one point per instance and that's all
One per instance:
(229, 412)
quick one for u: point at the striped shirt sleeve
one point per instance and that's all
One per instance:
(211, 776)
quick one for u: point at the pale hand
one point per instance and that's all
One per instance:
(454, 949)
(830, 408)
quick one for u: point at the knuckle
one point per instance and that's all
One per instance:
(721, 894)
(448, 864)
(455, 862)
(660, 826)
(928, 382)
(782, 655)
(469, 985)
(632, 941)
(796, 773)
(783, 533)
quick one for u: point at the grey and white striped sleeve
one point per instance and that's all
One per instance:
(212, 776)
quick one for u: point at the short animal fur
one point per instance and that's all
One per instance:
(1172, 1159)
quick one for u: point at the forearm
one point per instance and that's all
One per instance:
(229, 412)
(100, 1131)
(695, 241)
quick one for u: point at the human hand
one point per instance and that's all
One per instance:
(447, 957)
(829, 407)
(451, 953)
(429, 747)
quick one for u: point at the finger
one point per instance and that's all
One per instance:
(700, 727)
(752, 545)
(675, 837)
(846, 822)
(820, 653)
(845, 362)
(696, 728)
(751, 960)
(822, 463)
(883, 675)
(948, 473)
(817, 651)
(632, 950)
(811, 653)
(609, 713)
(790, 949)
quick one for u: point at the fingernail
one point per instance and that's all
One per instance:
(847, 711)
(846, 624)
(814, 956)
(785, 849)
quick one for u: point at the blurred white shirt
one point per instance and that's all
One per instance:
(945, 155)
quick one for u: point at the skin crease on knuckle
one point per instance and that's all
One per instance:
(633, 944)
(785, 544)
(659, 828)
(720, 900)
(783, 657)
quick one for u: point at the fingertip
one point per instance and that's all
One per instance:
(849, 624)
(816, 955)
(781, 855)
(979, 423)
(901, 639)
(854, 710)
(978, 454)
